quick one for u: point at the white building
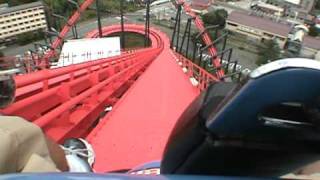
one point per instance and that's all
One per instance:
(263, 29)
(21, 19)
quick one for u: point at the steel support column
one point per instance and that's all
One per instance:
(175, 26)
(186, 33)
(76, 31)
(147, 25)
(74, 26)
(122, 25)
(178, 28)
(194, 51)
(189, 38)
(99, 18)
(49, 25)
(200, 58)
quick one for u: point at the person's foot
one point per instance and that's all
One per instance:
(79, 154)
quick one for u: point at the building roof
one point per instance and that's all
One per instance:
(20, 7)
(307, 5)
(259, 23)
(311, 42)
(268, 25)
(270, 6)
(4, 5)
(205, 3)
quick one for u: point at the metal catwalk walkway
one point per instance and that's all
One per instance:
(139, 125)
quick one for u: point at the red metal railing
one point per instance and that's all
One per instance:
(198, 76)
(65, 102)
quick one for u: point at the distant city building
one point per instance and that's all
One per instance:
(317, 57)
(21, 19)
(263, 28)
(268, 8)
(257, 27)
(317, 22)
(204, 3)
(4, 6)
(295, 39)
(295, 9)
(158, 2)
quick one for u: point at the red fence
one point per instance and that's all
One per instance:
(198, 76)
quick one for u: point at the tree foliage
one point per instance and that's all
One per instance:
(268, 53)
(16, 2)
(317, 6)
(216, 17)
(29, 37)
(62, 7)
(313, 31)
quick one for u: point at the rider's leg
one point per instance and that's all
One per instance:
(24, 147)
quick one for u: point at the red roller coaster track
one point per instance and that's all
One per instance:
(147, 88)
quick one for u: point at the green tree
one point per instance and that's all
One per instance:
(216, 17)
(313, 31)
(29, 37)
(114, 6)
(270, 51)
(317, 6)
(25, 38)
(61, 7)
(1, 54)
(16, 2)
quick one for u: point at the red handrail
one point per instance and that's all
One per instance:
(203, 77)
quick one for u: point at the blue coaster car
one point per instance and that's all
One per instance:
(265, 127)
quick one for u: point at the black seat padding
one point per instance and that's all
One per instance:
(221, 133)
(190, 132)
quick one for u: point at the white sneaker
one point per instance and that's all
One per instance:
(79, 154)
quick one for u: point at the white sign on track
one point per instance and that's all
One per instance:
(84, 50)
